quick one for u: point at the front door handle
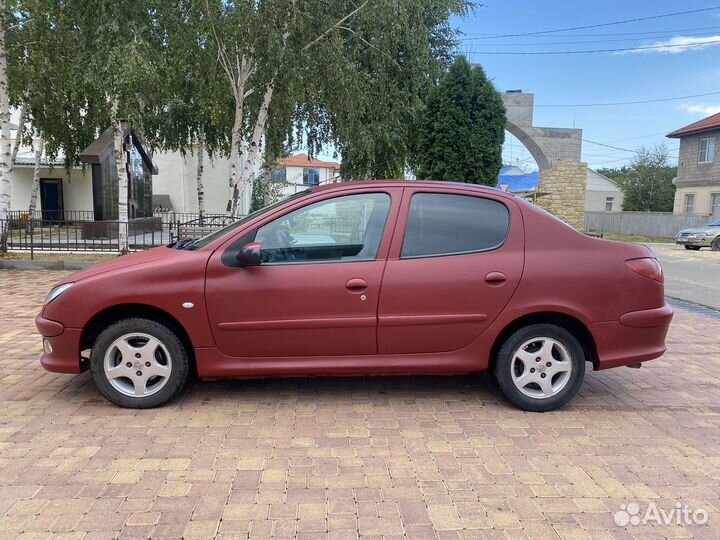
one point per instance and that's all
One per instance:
(356, 285)
(495, 278)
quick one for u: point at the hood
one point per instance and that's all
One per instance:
(706, 230)
(124, 261)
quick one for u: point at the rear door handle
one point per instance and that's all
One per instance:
(495, 278)
(356, 285)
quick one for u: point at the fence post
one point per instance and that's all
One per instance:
(32, 243)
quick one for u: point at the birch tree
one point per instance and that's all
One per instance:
(36, 176)
(5, 185)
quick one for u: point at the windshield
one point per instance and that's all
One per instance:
(715, 223)
(205, 240)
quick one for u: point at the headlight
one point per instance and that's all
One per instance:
(57, 291)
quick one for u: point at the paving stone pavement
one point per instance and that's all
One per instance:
(370, 458)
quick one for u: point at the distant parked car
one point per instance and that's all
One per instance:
(702, 237)
(365, 278)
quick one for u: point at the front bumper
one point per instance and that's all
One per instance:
(694, 241)
(61, 346)
(637, 336)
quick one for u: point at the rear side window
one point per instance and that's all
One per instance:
(441, 224)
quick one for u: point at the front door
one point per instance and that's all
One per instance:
(316, 292)
(51, 199)
(454, 264)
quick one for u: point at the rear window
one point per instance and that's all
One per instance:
(441, 224)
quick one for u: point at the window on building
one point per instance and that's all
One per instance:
(690, 203)
(440, 224)
(609, 204)
(311, 177)
(279, 174)
(715, 204)
(707, 150)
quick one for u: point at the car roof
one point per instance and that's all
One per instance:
(409, 183)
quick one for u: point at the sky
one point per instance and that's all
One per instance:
(662, 71)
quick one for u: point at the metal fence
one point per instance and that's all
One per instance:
(38, 234)
(650, 224)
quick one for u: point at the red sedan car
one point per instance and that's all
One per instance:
(365, 278)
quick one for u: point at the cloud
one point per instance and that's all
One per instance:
(705, 110)
(677, 44)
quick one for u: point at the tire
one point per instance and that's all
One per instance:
(715, 246)
(524, 358)
(149, 362)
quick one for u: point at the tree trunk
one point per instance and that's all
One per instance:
(253, 152)
(235, 141)
(123, 224)
(5, 185)
(200, 167)
(36, 177)
(18, 136)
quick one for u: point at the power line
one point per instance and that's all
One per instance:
(482, 35)
(613, 104)
(611, 146)
(626, 21)
(665, 36)
(592, 51)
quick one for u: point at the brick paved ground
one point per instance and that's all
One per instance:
(388, 458)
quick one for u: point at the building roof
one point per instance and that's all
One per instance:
(104, 145)
(303, 160)
(516, 180)
(706, 124)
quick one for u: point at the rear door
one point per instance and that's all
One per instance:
(454, 263)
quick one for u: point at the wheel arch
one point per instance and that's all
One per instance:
(108, 316)
(572, 324)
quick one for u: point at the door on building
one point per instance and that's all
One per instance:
(51, 199)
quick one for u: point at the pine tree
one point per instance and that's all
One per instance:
(462, 128)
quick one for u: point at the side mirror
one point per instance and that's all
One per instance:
(250, 254)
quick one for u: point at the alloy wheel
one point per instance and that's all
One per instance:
(541, 367)
(137, 364)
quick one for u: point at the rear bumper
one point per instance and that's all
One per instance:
(637, 337)
(64, 344)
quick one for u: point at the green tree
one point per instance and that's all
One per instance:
(462, 129)
(647, 182)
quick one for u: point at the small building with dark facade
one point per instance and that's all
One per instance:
(105, 185)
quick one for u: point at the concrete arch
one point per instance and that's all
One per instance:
(528, 142)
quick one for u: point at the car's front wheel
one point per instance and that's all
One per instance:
(540, 367)
(139, 363)
(716, 244)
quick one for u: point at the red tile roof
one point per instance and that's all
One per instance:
(303, 160)
(706, 124)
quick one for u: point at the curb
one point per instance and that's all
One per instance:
(44, 265)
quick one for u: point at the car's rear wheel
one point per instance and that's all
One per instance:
(716, 244)
(139, 363)
(540, 367)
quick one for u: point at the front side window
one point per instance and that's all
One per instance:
(345, 228)
(441, 224)
(311, 177)
(707, 150)
(690, 203)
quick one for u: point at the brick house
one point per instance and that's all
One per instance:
(698, 177)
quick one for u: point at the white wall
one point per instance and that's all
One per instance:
(599, 188)
(177, 177)
(77, 187)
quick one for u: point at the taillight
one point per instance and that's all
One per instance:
(648, 267)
